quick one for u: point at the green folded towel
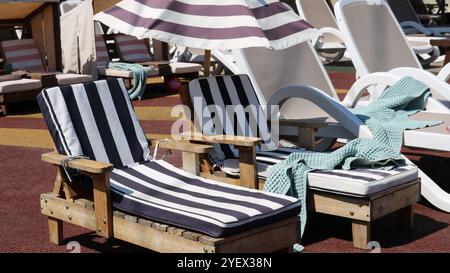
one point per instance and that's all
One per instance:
(387, 118)
(139, 77)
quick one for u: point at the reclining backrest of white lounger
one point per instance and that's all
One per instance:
(404, 11)
(317, 13)
(373, 37)
(22, 55)
(271, 70)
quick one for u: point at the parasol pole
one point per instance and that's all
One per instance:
(207, 63)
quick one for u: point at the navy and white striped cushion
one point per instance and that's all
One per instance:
(96, 119)
(22, 54)
(161, 192)
(223, 91)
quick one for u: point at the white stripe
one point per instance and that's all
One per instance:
(55, 122)
(186, 174)
(131, 192)
(202, 112)
(181, 184)
(176, 211)
(185, 196)
(217, 97)
(114, 123)
(187, 41)
(62, 115)
(187, 19)
(89, 123)
(242, 121)
(249, 3)
(262, 121)
(137, 127)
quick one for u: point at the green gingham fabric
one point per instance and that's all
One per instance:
(387, 118)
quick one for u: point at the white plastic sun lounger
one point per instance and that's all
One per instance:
(330, 43)
(317, 98)
(319, 14)
(366, 42)
(410, 21)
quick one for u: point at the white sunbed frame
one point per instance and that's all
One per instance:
(428, 52)
(358, 61)
(349, 126)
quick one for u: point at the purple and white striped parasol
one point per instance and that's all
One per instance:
(210, 24)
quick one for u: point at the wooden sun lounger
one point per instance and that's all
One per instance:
(68, 203)
(361, 210)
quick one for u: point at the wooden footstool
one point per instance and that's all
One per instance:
(364, 210)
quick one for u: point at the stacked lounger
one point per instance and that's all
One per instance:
(24, 55)
(134, 50)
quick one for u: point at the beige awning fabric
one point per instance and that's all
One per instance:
(78, 40)
(17, 10)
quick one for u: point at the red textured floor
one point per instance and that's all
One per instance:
(23, 177)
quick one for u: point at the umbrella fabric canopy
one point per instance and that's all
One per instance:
(210, 24)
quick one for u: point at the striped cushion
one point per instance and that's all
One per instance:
(96, 119)
(22, 54)
(359, 182)
(131, 49)
(101, 51)
(161, 192)
(223, 91)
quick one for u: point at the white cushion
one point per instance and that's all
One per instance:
(19, 85)
(184, 68)
(103, 71)
(68, 78)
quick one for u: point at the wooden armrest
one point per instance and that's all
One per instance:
(184, 146)
(40, 75)
(222, 139)
(304, 123)
(85, 165)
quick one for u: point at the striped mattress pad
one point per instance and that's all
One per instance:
(22, 55)
(97, 120)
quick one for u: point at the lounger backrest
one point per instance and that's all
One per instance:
(317, 13)
(404, 11)
(131, 49)
(234, 91)
(271, 70)
(22, 55)
(94, 119)
(373, 37)
(101, 51)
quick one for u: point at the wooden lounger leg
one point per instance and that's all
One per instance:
(191, 163)
(4, 109)
(405, 217)
(361, 233)
(55, 229)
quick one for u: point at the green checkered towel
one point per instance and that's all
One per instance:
(387, 118)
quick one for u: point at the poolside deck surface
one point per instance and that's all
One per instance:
(24, 137)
